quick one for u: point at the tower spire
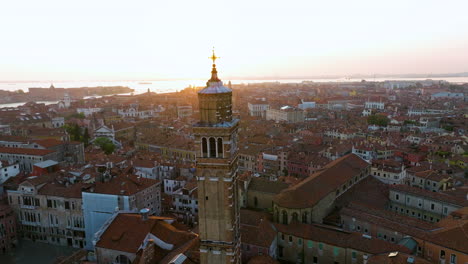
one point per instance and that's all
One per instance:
(214, 58)
(214, 72)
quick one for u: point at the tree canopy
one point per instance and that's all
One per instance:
(379, 120)
(105, 144)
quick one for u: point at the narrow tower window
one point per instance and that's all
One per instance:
(204, 147)
(212, 148)
(220, 147)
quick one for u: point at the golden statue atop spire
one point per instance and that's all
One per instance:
(213, 57)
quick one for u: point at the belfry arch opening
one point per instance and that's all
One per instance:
(212, 147)
(220, 147)
(204, 148)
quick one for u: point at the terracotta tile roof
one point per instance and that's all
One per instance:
(400, 258)
(188, 249)
(26, 151)
(389, 220)
(454, 237)
(310, 191)
(369, 191)
(54, 189)
(128, 231)
(338, 237)
(143, 163)
(14, 138)
(124, 185)
(191, 185)
(48, 143)
(262, 260)
(38, 180)
(261, 235)
(251, 217)
(266, 186)
(428, 194)
(431, 175)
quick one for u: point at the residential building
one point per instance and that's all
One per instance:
(45, 167)
(258, 235)
(26, 157)
(306, 105)
(388, 171)
(89, 111)
(58, 121)
(49, 211)
(5, 130)
(447, 95)
(268, 165)
(186, 202)
(374, 105)
(129, 193)
(430, 180)
(286, 114)
(8, 170)
(134, 110)
(184, 111)
(139, 238)
(145, 168)
(313, 243)
(423, 204)
(173, 185)
(8, 229)
(258, 108)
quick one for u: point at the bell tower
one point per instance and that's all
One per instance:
(216, 171)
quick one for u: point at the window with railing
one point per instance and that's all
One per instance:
(453, 259)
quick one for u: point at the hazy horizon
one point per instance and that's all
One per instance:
(119, 40)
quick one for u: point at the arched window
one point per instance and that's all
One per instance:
(285, 217)
(220, 147)
(255, 201)
(122, 259)
(204, 147)
(295, 217)
(212, 148)
(442, 254)
(304, 217)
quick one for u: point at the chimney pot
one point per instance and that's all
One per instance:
(144, 214)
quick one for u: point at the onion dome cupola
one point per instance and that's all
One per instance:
(215, 100)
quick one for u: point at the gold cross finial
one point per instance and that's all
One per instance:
(213, 57)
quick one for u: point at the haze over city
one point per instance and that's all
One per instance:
(122, 40)
(234, 132)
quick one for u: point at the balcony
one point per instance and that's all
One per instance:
(76, 228)
(24, 222)
(31, 207)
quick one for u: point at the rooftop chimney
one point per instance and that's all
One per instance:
(144, 214)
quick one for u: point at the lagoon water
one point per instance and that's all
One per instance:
(158, 86)
(168, 86)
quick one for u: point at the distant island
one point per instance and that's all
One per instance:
(52, 93)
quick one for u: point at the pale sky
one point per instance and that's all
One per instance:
(155, 39)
